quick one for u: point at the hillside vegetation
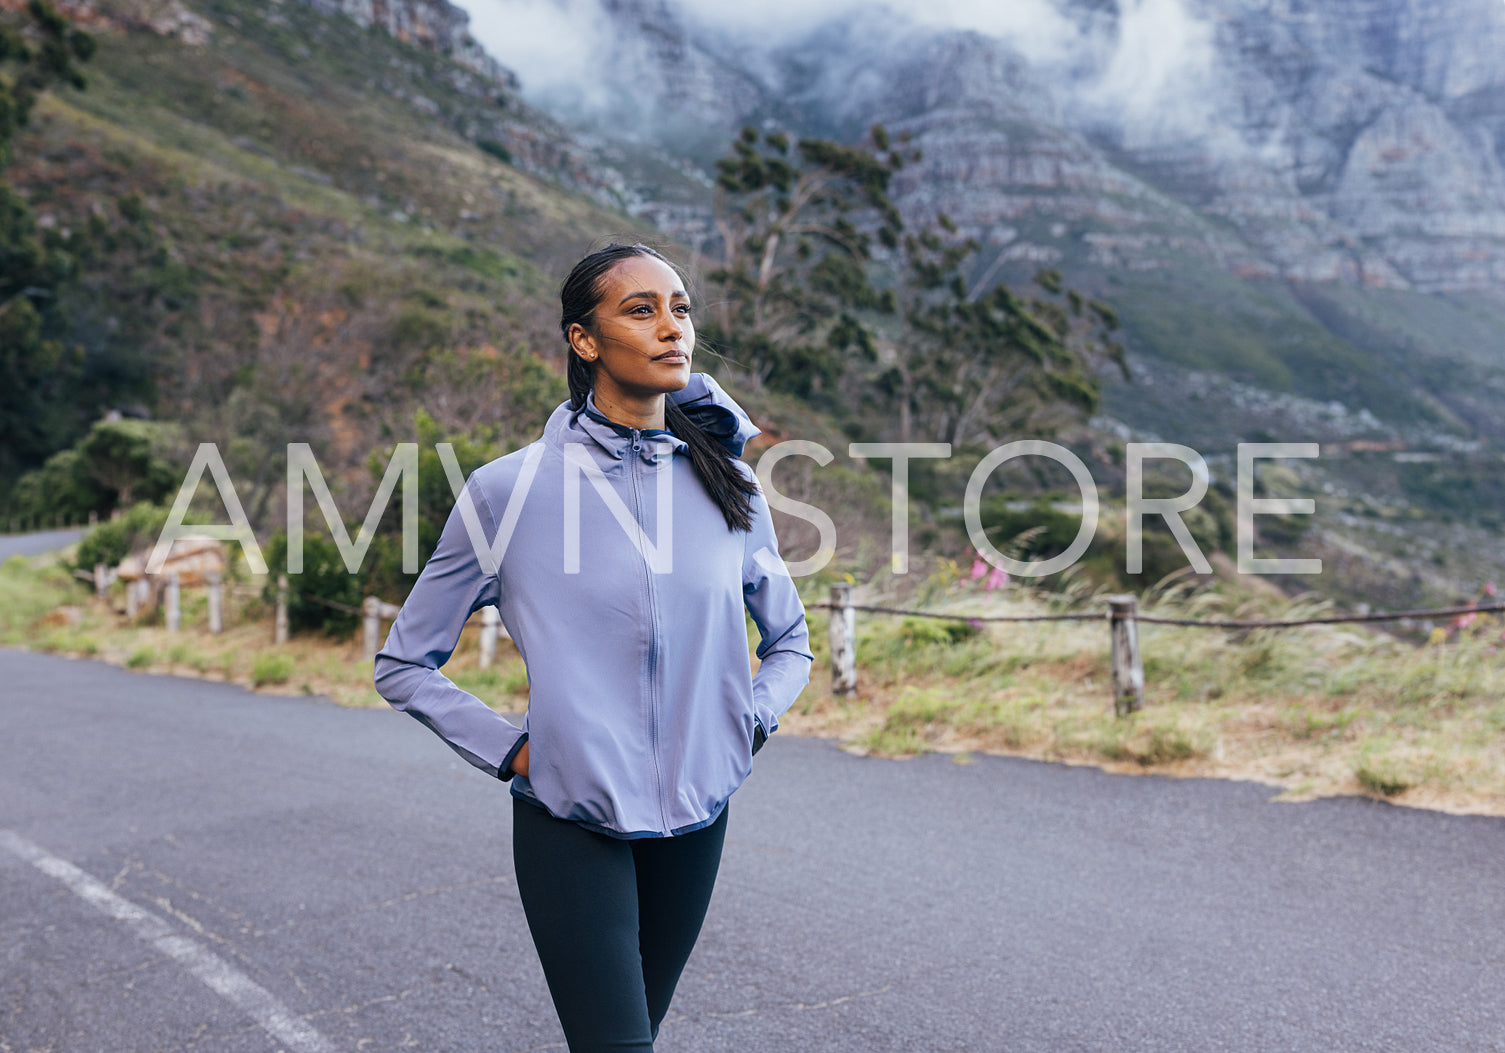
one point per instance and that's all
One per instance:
(300, 230)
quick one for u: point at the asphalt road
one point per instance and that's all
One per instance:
(258, 873)
(38, 543)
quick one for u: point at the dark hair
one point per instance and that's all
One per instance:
(579, 297)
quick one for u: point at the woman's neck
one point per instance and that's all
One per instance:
(640, 412)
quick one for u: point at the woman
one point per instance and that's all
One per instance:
(621, 549)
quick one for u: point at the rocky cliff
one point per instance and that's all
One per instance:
(434, 25)
(1354, 141)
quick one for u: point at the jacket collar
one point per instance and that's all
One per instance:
(702, 400)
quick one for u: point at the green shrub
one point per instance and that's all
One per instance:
(61, 487)
(113, 540)
(324, 581)
(419, 329)
(269, 667)
(1381, 771)
(495, 149)
(920, 632)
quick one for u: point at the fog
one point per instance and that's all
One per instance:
(1153, 78)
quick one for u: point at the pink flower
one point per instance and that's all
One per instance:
(998, 579)
(979, 568)
(1489, 590)
(1463, 621)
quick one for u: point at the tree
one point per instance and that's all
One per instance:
(821, 288)
(37, 371)
(795, 255)
(115, 465)
(131, 460)
(983, 363)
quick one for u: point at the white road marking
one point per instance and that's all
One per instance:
(217, 974)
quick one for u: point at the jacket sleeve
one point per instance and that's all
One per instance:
(453, 584)
(775, 606)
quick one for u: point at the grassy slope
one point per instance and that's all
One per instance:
(283, 234)
(1306, 362)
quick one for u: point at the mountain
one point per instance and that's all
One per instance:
(1297, 207)
(1289, 154)
(1352, 140)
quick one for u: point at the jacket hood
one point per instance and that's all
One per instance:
(718, 415)
(702, 400)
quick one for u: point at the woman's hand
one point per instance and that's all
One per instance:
(520, 762)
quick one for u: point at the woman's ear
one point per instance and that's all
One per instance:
(582, 342)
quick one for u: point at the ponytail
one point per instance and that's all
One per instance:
(730, 487)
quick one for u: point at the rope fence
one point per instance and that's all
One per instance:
(1123, 617)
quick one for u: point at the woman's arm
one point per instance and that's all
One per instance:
(774, 603)
(453, 584)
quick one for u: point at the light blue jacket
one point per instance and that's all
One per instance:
(641, 704)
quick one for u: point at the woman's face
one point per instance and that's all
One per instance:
(643, 336)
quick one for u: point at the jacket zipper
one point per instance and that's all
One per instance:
(637, 498)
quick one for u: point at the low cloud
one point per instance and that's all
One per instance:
(1153, 78)
(1159, 81)
(552, 45)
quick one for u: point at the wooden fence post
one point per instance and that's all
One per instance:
(490, 619)
(132, 606)
(843, 641)
(279, 633)
(173, 609)
(101, 579)
(374, 610)
(370, 627)
(216, 604)
(1128, 671)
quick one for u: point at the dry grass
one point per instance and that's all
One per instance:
(1315, 711)
(49, 612)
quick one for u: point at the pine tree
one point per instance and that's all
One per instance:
(822, 292)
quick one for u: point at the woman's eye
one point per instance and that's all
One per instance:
(683, 308)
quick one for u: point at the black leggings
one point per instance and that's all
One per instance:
(614, 921)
